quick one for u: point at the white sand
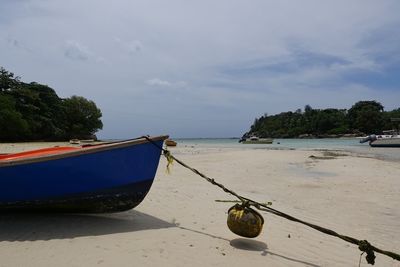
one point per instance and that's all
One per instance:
(180, 224)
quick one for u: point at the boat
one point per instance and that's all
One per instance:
(385, 140)
(97, 178)
(256, 140)
(170, 142)
(83, 141)
(87, 141)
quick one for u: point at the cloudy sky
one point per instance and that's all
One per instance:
(204, 68)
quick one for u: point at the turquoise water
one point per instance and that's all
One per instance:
(346, 144)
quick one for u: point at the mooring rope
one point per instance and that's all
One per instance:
(363, 245)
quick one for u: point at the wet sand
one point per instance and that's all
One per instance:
(180, 224)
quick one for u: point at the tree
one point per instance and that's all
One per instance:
(32, 111)
(48, 117)
(41, 108)
(7, 80)
(307, 109)
(366, 116)
(12, 126)
(82, 117)
(392, 120)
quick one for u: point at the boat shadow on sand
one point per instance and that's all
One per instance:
(48, 226)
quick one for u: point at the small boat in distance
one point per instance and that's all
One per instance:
(79, 141)
(170, 142)
(94, 178)
(256, 140)
(388, 139)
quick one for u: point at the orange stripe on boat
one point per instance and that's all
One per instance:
(38, 152)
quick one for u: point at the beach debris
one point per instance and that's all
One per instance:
(332, 153)
(328, 154)
(321, 157)
(245, 221)
(363, 245)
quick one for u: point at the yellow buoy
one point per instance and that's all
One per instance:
(245, 221)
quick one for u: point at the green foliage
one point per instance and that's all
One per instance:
(12, 125)
(83, 117)
(32, 111)
(389, 123)
(367, 116)
(7, 80)
(364, 116)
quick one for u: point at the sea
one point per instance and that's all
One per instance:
(341, 144)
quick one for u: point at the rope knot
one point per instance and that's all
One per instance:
(170, 159)
(366, 247)
(245, 203)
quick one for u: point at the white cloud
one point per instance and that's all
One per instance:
(164, 83)
(76, 51)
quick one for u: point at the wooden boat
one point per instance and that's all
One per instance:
(256, 140)
(87, 141)
(96, 178)
(170, 142)
(83, 141)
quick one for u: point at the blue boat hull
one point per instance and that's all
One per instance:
(108, 178)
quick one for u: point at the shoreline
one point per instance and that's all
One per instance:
(346, 145)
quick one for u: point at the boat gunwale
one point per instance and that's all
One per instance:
(90, 149)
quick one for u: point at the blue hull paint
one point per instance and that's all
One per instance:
(112, 179)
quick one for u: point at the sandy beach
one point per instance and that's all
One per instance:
(180, 224)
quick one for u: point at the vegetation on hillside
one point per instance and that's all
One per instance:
(364, 117)
(33, 111)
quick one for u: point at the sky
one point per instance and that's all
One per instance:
(204, 68)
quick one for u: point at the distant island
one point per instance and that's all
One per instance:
(34, 112)
(364, 117)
